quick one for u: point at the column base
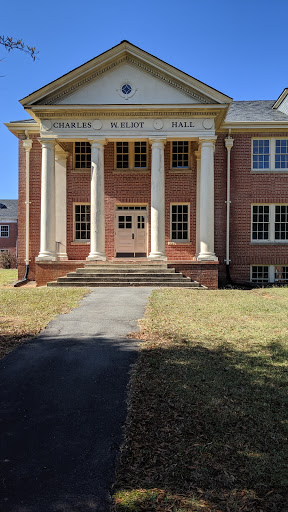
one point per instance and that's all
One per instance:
(208, 256)
(157, 256)
(62, 256)
(96, 256)
(46, 257)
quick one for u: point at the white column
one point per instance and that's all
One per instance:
(47, 229)
(157, 200)
(61, 204)
(207, 201)
(97, 208)
(198, 177)
(228, 144)
(27, 145)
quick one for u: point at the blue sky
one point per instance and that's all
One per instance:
(239, 48)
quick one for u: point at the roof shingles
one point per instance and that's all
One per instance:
(260, 111)
(11, 210)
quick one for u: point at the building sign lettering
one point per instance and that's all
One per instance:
(77, 124)
(147, 127)
(182, 124)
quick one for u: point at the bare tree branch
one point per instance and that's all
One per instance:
(17, 44)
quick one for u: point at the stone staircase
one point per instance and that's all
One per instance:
(118, 274)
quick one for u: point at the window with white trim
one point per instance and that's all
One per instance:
(269, 223)
(4, 231)
(82, 155)
(180, 154)
(264, 274)
(131, 155)
(270, 154)
(180, 222)
(82, 222)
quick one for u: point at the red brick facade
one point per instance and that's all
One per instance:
(134, 187)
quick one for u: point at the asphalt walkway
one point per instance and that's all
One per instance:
(62, 406)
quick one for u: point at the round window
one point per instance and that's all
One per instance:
(126, 89)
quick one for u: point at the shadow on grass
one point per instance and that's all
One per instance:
(209, 429)
(10, 342)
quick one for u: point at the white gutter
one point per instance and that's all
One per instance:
(228, 144)
(27, 143)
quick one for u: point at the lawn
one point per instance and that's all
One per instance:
(208, 409)
(25, 311)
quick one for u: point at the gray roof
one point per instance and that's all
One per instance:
(260, 111)
(11, 210)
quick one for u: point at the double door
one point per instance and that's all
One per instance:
(131, 232)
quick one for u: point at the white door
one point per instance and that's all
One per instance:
(131, 233)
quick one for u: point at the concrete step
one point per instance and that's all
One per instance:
(123, 278)
(179, 284)
(117, 269)
(126, 275)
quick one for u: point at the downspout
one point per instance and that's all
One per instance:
(27, 143)
(228, 144)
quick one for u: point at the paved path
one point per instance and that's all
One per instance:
(62, 406)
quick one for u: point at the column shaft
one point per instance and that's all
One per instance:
(97, 208)
(207, 201)
(27, 145)
(157, 201)
(198, 159)
(47, 233)
(61, 204)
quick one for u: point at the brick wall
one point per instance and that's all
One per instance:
(246, 188)
(204, 273)
(46, 271)
(35, 202)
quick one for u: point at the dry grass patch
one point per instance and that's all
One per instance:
(8, 277)
(208, 423)
(25, 311)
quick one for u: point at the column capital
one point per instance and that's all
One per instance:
(154, 140)
(47, 142)
(198, 154)
(27, 144)
(207, 141)
(101, 141)
(229, 143)
(60, 154)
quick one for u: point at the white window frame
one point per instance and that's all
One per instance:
(271, 235)
(80, 240)
(271, 273)
(131, 156)
(4, 226)
(272, 154)
(176, 240)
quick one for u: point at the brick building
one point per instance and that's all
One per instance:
(9, 226)
(128, 157)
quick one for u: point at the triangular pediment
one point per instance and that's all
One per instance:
(150, 81)
(144, 86)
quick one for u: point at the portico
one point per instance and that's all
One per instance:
(53, 236)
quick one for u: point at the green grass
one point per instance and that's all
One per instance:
(8, 276)
(25, 311)
(208, 414)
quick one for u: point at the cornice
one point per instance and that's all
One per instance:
(136, 63)
(73, 115)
